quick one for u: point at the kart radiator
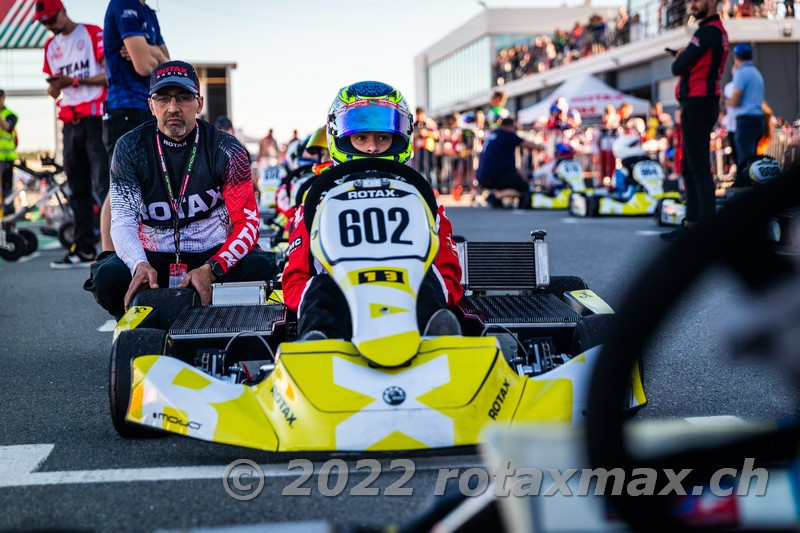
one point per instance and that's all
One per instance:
(225, 321)
(537, 309)
(499, 265)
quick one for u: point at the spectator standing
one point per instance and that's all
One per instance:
(426, 133)
(133, 48)
(636, 29)
(8, 147)
(75, 66)
(789, 5)
(268, 151)
(698, 91)
(746, 101)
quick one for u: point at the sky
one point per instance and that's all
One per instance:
(292, 56)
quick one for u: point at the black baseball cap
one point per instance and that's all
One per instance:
(174, 74)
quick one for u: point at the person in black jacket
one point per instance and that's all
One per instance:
(700, 68)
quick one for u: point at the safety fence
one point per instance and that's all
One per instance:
(452, 170)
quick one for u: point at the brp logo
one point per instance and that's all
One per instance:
(394, 395)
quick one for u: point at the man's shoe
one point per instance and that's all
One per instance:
(74, 259)
(493, 201)
(443, 322)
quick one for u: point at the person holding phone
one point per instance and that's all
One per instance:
(76, 73)
(699, 67)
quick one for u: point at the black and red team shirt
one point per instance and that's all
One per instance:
(700, 65)
(219, 207)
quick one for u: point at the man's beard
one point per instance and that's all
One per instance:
(701, 14)
(175, 131)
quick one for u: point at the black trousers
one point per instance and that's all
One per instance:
(86, 167)
(111, 279)
(324, 307)
(749, 130)
(118, 122)
(7, 174)
(698, 116)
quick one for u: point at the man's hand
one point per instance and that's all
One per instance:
(61, 81)
(143, 275)
(201, 279)
(54, 91)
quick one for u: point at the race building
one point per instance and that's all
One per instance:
(459, 72)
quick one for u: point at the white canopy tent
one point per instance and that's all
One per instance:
(588, 95)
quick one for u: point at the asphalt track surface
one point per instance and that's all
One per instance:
(53, 391)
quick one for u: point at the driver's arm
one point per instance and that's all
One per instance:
(446, 265)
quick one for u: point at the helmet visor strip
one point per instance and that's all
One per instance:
(372, 117)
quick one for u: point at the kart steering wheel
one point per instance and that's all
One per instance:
(735, 237)
(327, 180)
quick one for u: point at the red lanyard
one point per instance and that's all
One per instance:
(176, 202)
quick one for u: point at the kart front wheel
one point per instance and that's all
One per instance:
(31, 240)
(128, 346)
(14, 248)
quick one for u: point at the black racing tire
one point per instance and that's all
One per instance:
(66, 234)
(128, 346)
(31, 240)
(16, 247)
(561, 284)
(657, 213)
(168, 303)
(591, 331)
(593, 206)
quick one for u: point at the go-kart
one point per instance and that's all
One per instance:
(782, 228)
(233, 373)
(555, 182)
(640, 199)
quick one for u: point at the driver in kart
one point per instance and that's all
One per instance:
(368, 120)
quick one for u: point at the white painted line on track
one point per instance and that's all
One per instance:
(55, 245)
(316, 526)
(649, 232)
(18, 464)
(714, 420)
(108, 325)
(27, 258)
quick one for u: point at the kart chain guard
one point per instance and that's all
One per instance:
(377, 237)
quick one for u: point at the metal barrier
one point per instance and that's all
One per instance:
(455, 173)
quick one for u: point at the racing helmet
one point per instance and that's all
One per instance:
(626, 146)
(564, 151)
(761, 169)
(496, 116)
(370, 106)
(555, 109)
(291, 153)
(317, 145)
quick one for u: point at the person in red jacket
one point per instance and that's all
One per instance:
(367, 119)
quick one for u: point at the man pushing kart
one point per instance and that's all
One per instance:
(183, 209)
(367, 120)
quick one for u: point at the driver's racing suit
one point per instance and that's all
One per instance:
(320, 304)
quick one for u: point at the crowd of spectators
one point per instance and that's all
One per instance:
(543, 52)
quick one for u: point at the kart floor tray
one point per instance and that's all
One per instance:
(539, 309)
(226, 321)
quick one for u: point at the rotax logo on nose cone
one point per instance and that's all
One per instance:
(174, 74)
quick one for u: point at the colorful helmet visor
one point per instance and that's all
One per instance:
(367, 116)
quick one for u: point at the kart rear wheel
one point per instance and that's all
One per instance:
(128, 346)
(66, 234)
(167, 303)
(31, 240)
(591, 332)
(15, 247)
(593, 206)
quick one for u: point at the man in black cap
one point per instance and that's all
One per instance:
(177, 185)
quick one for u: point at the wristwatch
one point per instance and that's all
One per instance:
(216, 269)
